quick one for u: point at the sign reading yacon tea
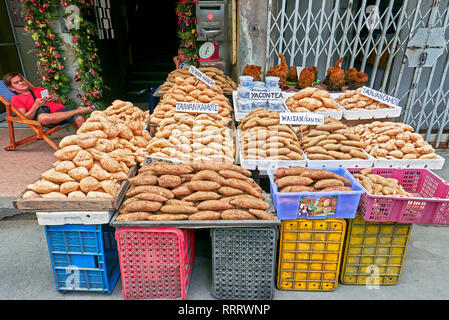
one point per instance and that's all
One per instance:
(300, 118)
(379, 96)
(266, 95)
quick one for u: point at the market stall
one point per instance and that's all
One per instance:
(340, 198)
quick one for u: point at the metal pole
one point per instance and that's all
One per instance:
(295, 27)
(357, 35)
(367, 46)
(332, 35)
(345, 30)
(16, 43)
(317, 52)
(393, 49)
(306, 43)
(267, 55)
(381, 43)
(281, 32)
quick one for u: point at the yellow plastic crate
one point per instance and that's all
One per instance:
(374, 252)
(310, 253)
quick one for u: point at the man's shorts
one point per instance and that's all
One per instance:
(46, 109)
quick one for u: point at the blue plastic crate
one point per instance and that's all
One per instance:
(83, 257)
(287, 203)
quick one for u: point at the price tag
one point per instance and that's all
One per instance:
(379, 96)
(300, 118)
(196, 107)
(149, 160)
(265, 95)
(197, 73)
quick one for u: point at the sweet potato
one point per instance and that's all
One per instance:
(133, 216)
(243, 185)
(250, 203)
(202, 195)
(143, 180)
(208, 175)
(203, 185)
(178, 209)
(318, 174)
(337, 189)
(143, 206)
(325, 183)
(293, 181)
(214, 205)
(179, 202)
(165, 168)
(169, 181)
(237, 214)
(230, 174)
(150, 189)
(182, 191)
(261, 214)
(229, 191)
(149, 197)
(167, 217)
(205, 215)
(297, 189)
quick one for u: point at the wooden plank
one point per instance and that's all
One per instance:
(85, 204)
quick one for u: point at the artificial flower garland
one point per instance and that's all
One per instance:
(185, 10)
(89, 68)
(39, 14)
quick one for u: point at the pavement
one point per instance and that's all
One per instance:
(27, 274)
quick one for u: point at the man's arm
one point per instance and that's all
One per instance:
(32, 112)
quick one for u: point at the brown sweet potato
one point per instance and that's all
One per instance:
(208, 175)
(205, 215)
(167, 217)
(150, 189)
(143, 180)
(230, 174)
(237, 214)
(229, 191)
(337, 189)
(133, 216)
(325, 183)
(250, 203)
(179, 202)
(243, 185)
(297, 189)
(203, 185)
(182, 191)
(165, 168)
(261, 214)
(293, 181)
(214, 205)
(178, 209)
(169, 181)
(202, 195)
(149, 197)
(318, 174)
(143, 206)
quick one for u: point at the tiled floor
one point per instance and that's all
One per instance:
(24, 165)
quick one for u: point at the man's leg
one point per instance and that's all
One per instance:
(56, 117)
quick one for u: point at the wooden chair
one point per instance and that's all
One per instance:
(13, 115)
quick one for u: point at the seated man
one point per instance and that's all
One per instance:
(48, 110)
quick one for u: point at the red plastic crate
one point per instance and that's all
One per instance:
(155, 263)
(431, 206)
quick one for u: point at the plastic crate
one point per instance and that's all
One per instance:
(345, 203)
(155, 263)
(243, 263)
(309, 254)
(83, 257)
(430, 206)
(374, 252)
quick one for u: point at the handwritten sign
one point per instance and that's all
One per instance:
(196, 107)
(266, 95)
(197, 73)
(300, 118)
(149, 160)
(379, 96)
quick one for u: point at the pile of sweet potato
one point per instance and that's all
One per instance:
(165, 192)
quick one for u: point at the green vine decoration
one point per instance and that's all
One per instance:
(185, 10)
(39, 14)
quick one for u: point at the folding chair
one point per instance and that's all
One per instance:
(13, 115)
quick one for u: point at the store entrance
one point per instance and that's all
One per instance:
(153, 43)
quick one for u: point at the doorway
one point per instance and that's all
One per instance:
(153, 43)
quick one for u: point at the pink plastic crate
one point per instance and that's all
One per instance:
(155, 263)
(431, 206)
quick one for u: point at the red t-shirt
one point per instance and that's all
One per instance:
(26, 101)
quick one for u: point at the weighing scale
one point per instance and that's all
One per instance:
(209, 51)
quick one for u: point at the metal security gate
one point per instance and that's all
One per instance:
(400, 44)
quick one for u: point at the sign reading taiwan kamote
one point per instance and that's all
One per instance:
(317, 207)
(299, 118)
(196, 107)
(379, 96)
